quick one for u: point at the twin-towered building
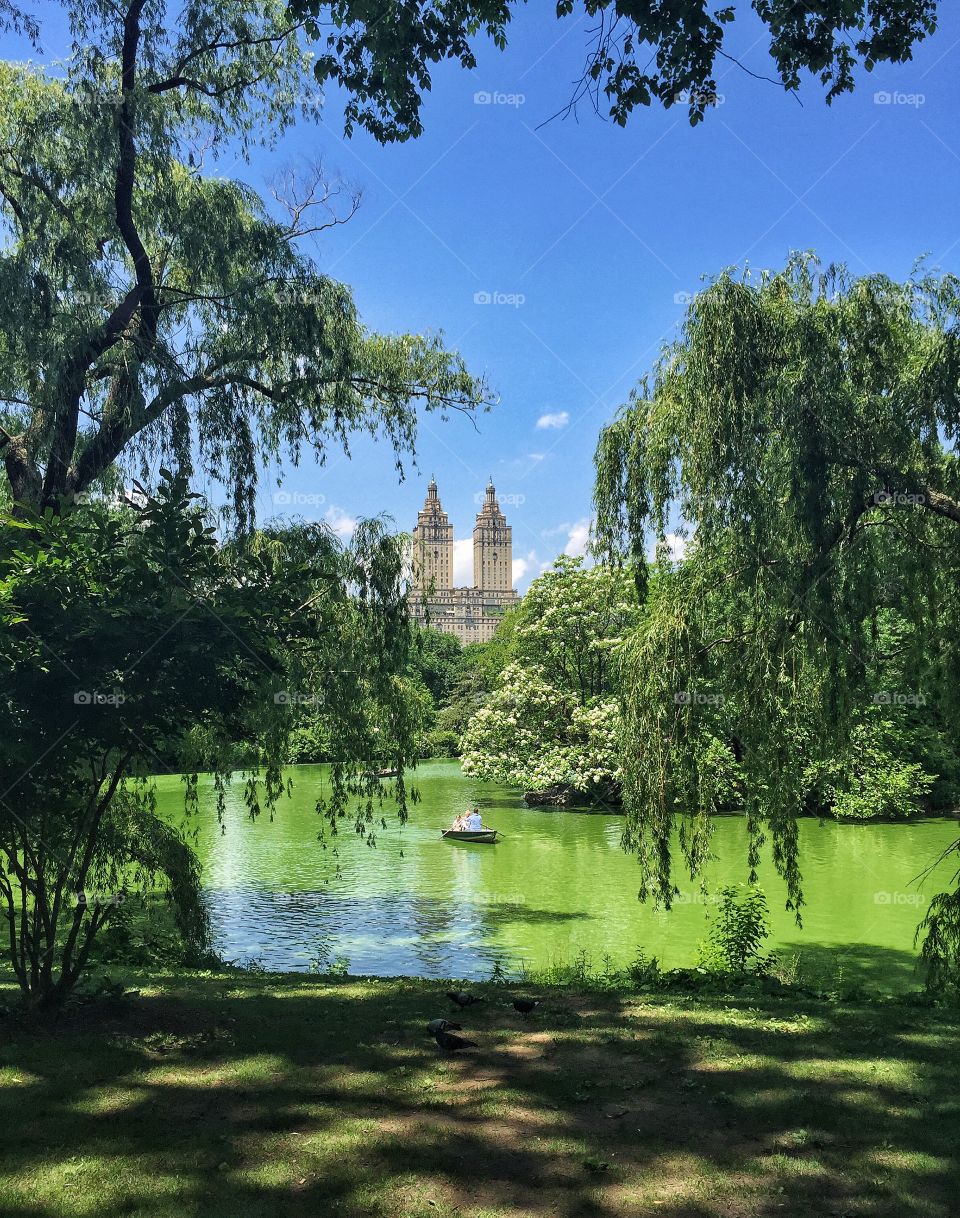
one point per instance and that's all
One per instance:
(471, 614)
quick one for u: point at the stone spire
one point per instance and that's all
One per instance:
(433, 545)
(492, 546)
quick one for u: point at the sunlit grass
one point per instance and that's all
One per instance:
(233, 1097)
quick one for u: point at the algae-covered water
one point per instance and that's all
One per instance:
(558, 884)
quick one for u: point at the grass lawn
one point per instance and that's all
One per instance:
(238, 1095)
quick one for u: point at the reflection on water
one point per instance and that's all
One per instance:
(557, 884)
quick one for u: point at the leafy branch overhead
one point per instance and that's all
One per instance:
(149, 307)
(637, 54)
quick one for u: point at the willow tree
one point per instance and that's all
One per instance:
(149, 305)
(153, 309)
(802, 432)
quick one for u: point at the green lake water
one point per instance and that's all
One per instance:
(557, 885)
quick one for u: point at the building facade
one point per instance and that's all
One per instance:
(471, 614)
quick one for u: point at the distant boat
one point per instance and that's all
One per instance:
(380, 773)
(470, 835)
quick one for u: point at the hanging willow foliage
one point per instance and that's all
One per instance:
(153, 307)
(132, 642)
(801, 436)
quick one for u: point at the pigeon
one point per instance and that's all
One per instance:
(447, 1040)
(462, 999)
(443, 1025)
(525, 1005)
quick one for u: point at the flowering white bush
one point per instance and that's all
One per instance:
(532, 734)
(553, 717)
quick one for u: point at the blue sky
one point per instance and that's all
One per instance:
(589, 238)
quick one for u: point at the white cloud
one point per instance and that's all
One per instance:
(341, 523)
(535, 456)
(675, 546)
(560, 419)
(578, 536)
(529, 565)
(526, 563)
(463, 563)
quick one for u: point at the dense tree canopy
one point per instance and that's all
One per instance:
(151, 307)
(639, 53)
(130, 637)
(803, 429)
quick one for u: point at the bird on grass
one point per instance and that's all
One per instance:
(443, 1025)
(462, 999)
(451, 1043)
(525, 1005)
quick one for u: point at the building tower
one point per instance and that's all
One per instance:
(492, 547)
(433, 546)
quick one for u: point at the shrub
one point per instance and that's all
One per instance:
(737, 932)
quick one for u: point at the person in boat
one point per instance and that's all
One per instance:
(460, 824)
(474, 821)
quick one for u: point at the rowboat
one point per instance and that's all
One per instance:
(470, 835)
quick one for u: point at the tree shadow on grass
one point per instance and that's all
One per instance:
(842, 966)
(280, 1095)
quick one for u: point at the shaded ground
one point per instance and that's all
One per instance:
(280, 1095)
